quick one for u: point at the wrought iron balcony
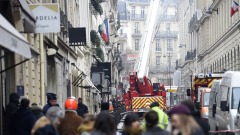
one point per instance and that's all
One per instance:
(192, 25)
(167, 18)
(124, 17)
(141, 2)
(191, 55)
(161, 69)
(138, 16)
(123, 36)
(167, 34)
(137, 34)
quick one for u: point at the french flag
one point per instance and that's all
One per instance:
(234, 7)
(103, 30)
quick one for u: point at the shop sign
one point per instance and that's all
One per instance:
(47, 17)
(20, 90)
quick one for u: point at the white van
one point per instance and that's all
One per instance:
(227, 101)
(213, 104)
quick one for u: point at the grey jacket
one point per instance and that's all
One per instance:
(155, 131)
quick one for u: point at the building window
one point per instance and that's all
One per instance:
(168, 27)
(136, 44)
(158, 60)
(136, 27)
(143, 12)
(169, 45)
(133, 12)
(158, 47)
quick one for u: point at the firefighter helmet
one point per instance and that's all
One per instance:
(71, 103)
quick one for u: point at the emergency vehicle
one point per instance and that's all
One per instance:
(203, 82)
(141, 92)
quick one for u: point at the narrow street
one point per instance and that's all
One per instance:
(109, 67)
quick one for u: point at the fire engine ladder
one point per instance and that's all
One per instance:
(143, 57)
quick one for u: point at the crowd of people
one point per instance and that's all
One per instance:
(74, 119)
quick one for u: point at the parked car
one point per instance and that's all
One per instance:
(229, 95)
(213, 104)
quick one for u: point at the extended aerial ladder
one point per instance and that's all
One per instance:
(141, 89)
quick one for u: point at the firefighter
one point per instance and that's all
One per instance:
(162, 116)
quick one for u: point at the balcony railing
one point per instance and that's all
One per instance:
(124, 17)
(145, 2)
(124, 35)
(138, 16)
(192, 24)
(161, 69)
(167, 34)
(167, 18)
(137, 34)
(190, 55)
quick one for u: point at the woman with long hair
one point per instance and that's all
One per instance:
(104, 124)
(182, 122)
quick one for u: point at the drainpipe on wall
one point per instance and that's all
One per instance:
(42, 64)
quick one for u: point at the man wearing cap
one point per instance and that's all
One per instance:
(52, 101)
(162, 116)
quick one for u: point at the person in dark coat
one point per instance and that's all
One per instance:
(37, 111)
(23, 119)
(11, 109)
(105, 107)
(71, 121)
(52, 101)
(152, 127)
(82, 108)
(131, 125)
(201, 122)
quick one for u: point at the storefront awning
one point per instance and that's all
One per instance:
(12, 40)
(27, 16)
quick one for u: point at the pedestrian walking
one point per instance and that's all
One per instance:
(152, 127)
(182, 121)
(87, 127)
(23, 119)
(162, 116)
(105, 107)
(104, 124)
(47, 125)
(37, 111)
(131, 125)
(71, 121)
(11, 109)
(196, 115)
(51, 101)
(82, 108)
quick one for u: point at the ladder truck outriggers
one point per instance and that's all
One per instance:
(141, 92)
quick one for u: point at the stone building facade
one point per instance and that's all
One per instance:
(58, 72)
(210, 36)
